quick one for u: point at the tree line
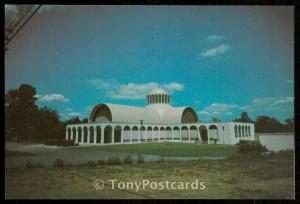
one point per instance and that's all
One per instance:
(25, 121)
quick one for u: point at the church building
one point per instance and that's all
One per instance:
(159, 121)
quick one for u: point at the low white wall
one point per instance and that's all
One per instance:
(276, 141)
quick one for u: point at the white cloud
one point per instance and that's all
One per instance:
(74, 114)
(132, 91)
(285, 100)
(216, 51)
(217, 109)
(53, 98)
(262, 101)
(69, 109)
(174, 86)
(213, 38)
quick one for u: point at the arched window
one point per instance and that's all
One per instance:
(249, 131)
(243, 131)
(240, 131)
(235, 131)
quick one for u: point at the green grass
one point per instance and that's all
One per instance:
(170, 149)
(268, 177)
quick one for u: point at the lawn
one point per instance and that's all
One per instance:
(241, 177)
(170, 149)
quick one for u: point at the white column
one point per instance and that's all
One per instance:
(82, 135)
(198, 135)
(139, 134)
(172, 135)
(66, 133)
(95, 135)
(102, 134)
(130, 134)
(122, 135)
(152, 134)
(159, 134)
(189, 132)
(76, 134)
(113, 135)
(180, 135)
(146, 134)
(72, 134)
(88, 135)
(208, 142)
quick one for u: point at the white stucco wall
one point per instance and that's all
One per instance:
(277, 141)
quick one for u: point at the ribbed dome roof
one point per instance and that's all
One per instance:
(158, 90)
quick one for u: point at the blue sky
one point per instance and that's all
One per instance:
(221, 60)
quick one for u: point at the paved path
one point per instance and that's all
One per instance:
(46, 155)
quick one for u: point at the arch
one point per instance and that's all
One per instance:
(239, 130)
(176, 133)
(91, 128)
(100, 113)
(85, 134)
(118, 132)
(249, 130)
(213, 133)
(108, 134)
(162, 133)
(168, 133)
(189, 116)
(149, 133)
(135, 133)
(235, 131)
(126, 134)
(79, 134)
(142, 133)
(203, 134)
(68, 133)
(184, 133)
(194, 133)
(98, 135)
(243, 131)
(74, 133)
(156, 132)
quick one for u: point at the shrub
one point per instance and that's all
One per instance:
(53, 141)
(114, 160)
(128, 160)
(28, 164)
(252, 147)
(101, 162)
(59, 163)
(140, 158)
(76, 144)
(38, 165)
(68, 143)
(91, 164)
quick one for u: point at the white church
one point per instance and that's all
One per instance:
(157, 122)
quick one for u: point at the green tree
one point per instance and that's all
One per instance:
(20, 110)
(215, 119)
(268, 125)
(244, 118)
(290, 124)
